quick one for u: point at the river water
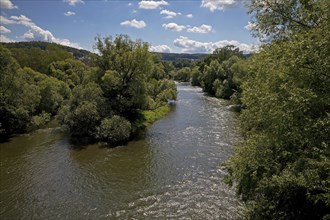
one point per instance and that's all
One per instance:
(172, 172)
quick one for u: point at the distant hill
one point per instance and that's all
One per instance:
(77, 53)
(84, 55)
(181, 56)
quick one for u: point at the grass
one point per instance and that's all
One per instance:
(150, 116)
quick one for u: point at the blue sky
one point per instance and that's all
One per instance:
(195, 26)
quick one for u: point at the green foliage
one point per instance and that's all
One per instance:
(115, 130)
(282, 19)
(18, 97)
(79, 54)
(282, 167)
(38, 121)
(39, 59)
(150, 116)
(72, 72)
(93, 102)
(129, 80)
(84, 110)
(195, 76)
(182, 75)
(125, 66)
(220, 73)
(160, 92)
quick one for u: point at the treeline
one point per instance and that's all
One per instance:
(219, 74)
(181, 56)
(107, 102)
(282, 167)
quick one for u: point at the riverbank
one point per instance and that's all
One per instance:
(151, 116)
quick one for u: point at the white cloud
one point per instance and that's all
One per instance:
(160, 48)
(134, 23)
(250, 26)
(130, 4)
(203, 29)
(28, 35)
(213, 5)
(73, 2)
(69, 13)
(174, 27)
(5, 39)
(23, 20)
(7, 4)
(192, 46)
(169, 14)
(189, 15)
(36, 33)
(5, 20)
(150, 4)
(4, 30)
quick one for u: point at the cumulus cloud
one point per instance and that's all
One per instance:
(37, 33)
(174, 27)
(150, 4)
(192, 46)
(169, 14)
(23, 20)
(203, 29)
(4, 30)
(160, 48)
(7, 4)
(69, 13)
(189, 15)
(213, 5)
(5, 20)
(73, 2)
(134, 23)
(5, 39)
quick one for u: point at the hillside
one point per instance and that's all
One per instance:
(79, 54)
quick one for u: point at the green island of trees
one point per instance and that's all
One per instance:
(108, 97)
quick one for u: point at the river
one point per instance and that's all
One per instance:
(172, 172)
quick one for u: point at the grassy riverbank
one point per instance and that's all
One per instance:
(151, 116)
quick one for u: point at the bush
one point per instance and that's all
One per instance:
(40, 120)
(114, 130)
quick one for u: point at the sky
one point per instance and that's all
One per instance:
(176, 26)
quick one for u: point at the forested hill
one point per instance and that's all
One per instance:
(182, 56)
(79, 54)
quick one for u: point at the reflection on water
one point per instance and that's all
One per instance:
(172, 173)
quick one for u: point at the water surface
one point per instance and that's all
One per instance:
(171, 173)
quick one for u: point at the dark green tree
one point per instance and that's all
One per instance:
(125, 66)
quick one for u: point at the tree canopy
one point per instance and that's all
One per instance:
(282, 169)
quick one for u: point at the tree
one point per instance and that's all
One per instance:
(281, 169)
(84, 111)
(125, 65)
(273, 19)
(182, 75)
(115, 130)
(195, 76)
(18, 97)
(72, 72)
